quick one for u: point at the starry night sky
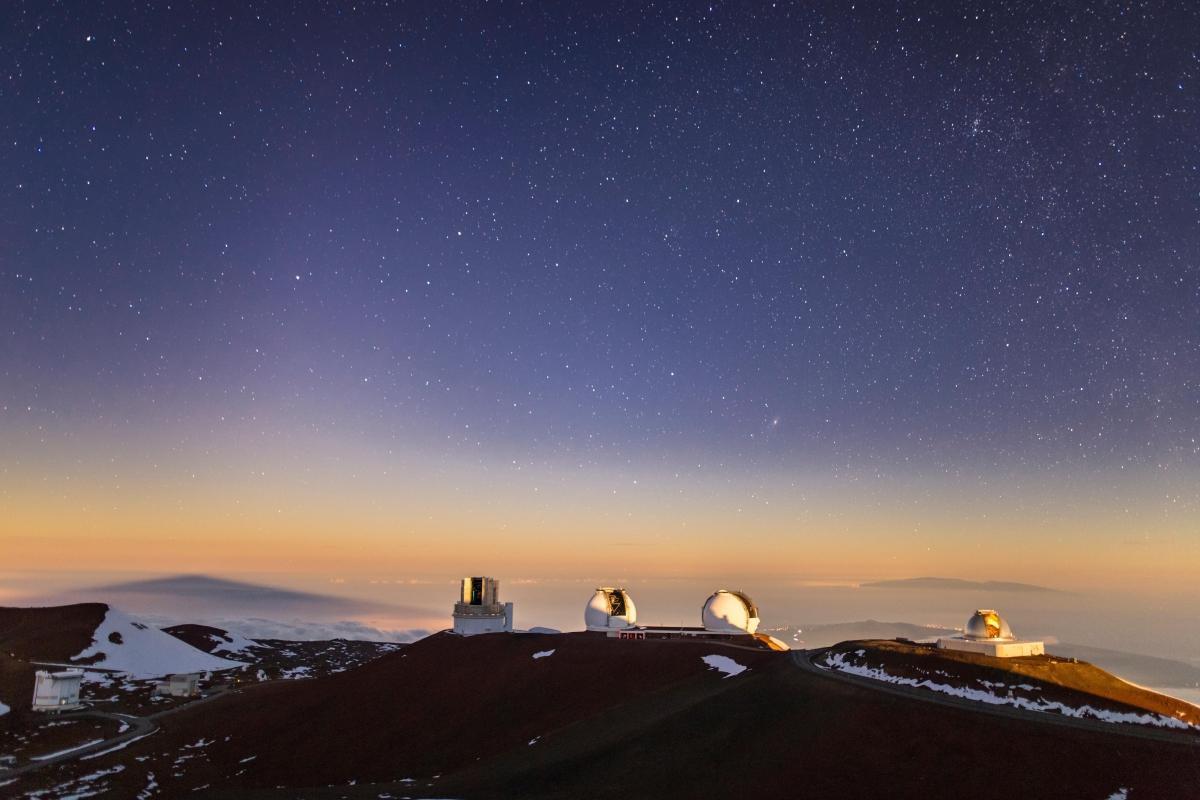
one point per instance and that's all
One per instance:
(908, 240)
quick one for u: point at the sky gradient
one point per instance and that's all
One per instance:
(675, 289)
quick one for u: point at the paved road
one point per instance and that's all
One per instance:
(804, 659)
(138, 727)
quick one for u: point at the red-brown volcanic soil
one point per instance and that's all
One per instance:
(201, 637)
(1074, 683)
(781, 732)
(479, 717)
(49, 634)
(439, 704)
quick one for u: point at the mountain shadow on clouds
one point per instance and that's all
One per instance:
(217, 594)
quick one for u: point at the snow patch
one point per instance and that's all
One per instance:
(543, 653)
(79, 787)
(838, 662)
(724, 664)
(1119, 794)
(234, 643)
(145, 652)
(151, 787)
(4, 709)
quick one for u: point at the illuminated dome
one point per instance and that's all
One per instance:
(730, 612)
(987, 624)
(610, 609)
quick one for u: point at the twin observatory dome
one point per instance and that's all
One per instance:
(612, 609)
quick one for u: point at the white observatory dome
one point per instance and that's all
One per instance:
(610, 609)
(987, 624)
(730, 612)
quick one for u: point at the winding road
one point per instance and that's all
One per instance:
(139, 727)
(806, 660)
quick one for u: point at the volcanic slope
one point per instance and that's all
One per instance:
(783, 732)
(273, 659)
(1030, 681)
(86, 634)
(564, 716)
(53, 633)
(434, 707)
(41, 634)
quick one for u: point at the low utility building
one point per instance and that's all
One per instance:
(185, 684)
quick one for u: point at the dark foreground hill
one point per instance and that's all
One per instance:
(53, 633)
(579, 715)
(40, 634)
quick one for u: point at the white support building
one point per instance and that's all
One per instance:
(989, 634)
(57, 691)
(479, 609)
(610, 609)
(184, 684)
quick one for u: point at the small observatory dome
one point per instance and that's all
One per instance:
(730, 612)
(610, 609)
(987, 624)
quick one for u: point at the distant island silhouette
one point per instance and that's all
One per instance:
(957, 583)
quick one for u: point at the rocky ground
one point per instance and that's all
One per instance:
(570, 715)
(32, 639)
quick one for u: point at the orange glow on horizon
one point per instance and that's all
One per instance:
(247, 512)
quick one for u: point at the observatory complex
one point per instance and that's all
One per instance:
(479, 609)
(726, 615)
(989, 634)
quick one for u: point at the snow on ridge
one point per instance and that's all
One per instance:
(146, 652)
(838, 662)
(232, 642)
(543, 653)
(724, 664)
